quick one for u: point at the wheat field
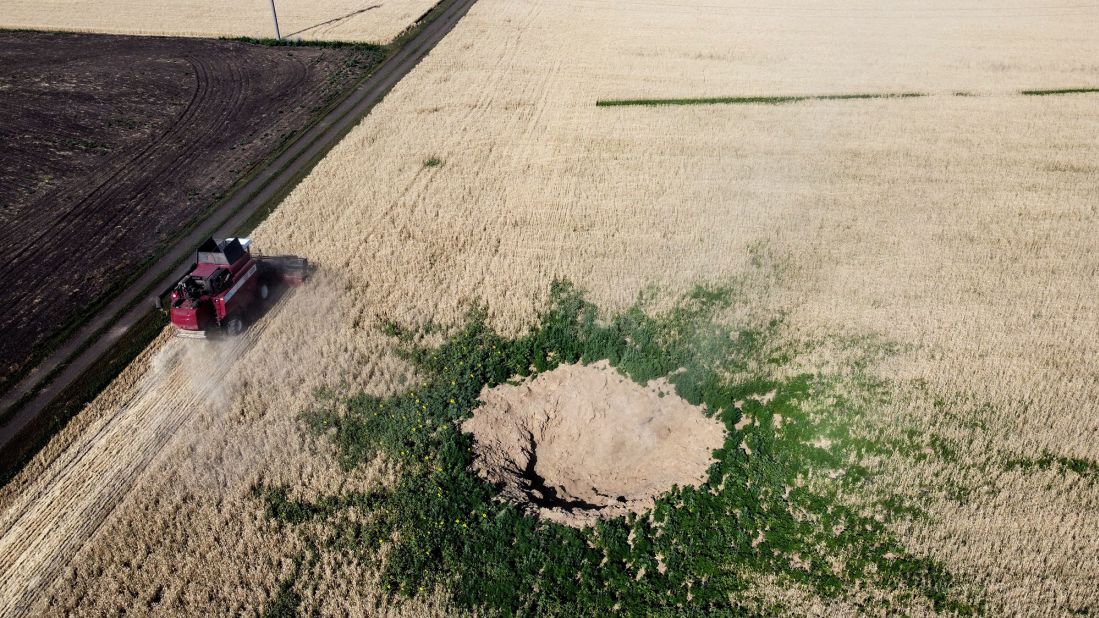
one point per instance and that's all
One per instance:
(314, 20)
(961, 228)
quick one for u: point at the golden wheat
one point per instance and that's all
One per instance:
(316, 20)
(961, 227)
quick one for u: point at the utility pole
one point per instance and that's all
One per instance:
(275, 16)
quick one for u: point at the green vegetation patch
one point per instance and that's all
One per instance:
(1084, 468)
(293, 42)
(286, 601)
(770, 508)
(1042, 93)
(757, 100)
(783, 99)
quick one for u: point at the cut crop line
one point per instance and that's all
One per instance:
(783, 99)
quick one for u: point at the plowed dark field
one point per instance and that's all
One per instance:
(110, 146)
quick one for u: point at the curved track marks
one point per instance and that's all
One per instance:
(215, 103)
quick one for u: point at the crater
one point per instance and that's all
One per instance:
(583, 442)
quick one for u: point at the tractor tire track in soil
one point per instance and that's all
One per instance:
(24, 234)
(57, 510)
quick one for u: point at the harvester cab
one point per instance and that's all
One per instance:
(226, 287)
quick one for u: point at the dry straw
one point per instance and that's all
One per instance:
(961, 227)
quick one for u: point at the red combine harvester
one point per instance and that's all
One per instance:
(226, 287)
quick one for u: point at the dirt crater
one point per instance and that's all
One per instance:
(583, 442)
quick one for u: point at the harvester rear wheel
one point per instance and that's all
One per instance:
(234, 326)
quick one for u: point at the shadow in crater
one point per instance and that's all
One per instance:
(335, 20)
(543, 495)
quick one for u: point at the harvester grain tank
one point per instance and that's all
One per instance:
(226, 287)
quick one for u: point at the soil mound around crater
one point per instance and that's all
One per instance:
(583, 442)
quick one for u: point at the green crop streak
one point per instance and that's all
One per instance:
(762, 100)
(780, 100)
(1043, 93)
(1085, 468)
(286, 601)
(443, 527)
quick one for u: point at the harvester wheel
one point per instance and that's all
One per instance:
(234, 326)
(264, 292)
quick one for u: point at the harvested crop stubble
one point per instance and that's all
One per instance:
(960, 227)
(312, 20)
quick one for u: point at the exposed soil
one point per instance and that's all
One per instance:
(112, 145)
(583, 442)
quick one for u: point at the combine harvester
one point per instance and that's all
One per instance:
(227, 287)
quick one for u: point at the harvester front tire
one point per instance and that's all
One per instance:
(234, 326)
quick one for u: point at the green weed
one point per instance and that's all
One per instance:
(1042, 93)
(783, 99)
(700, 549)
(123, 122)
(757, 100)
(287, 42)
(287, 600)
(1083, 467)
(84, 145)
